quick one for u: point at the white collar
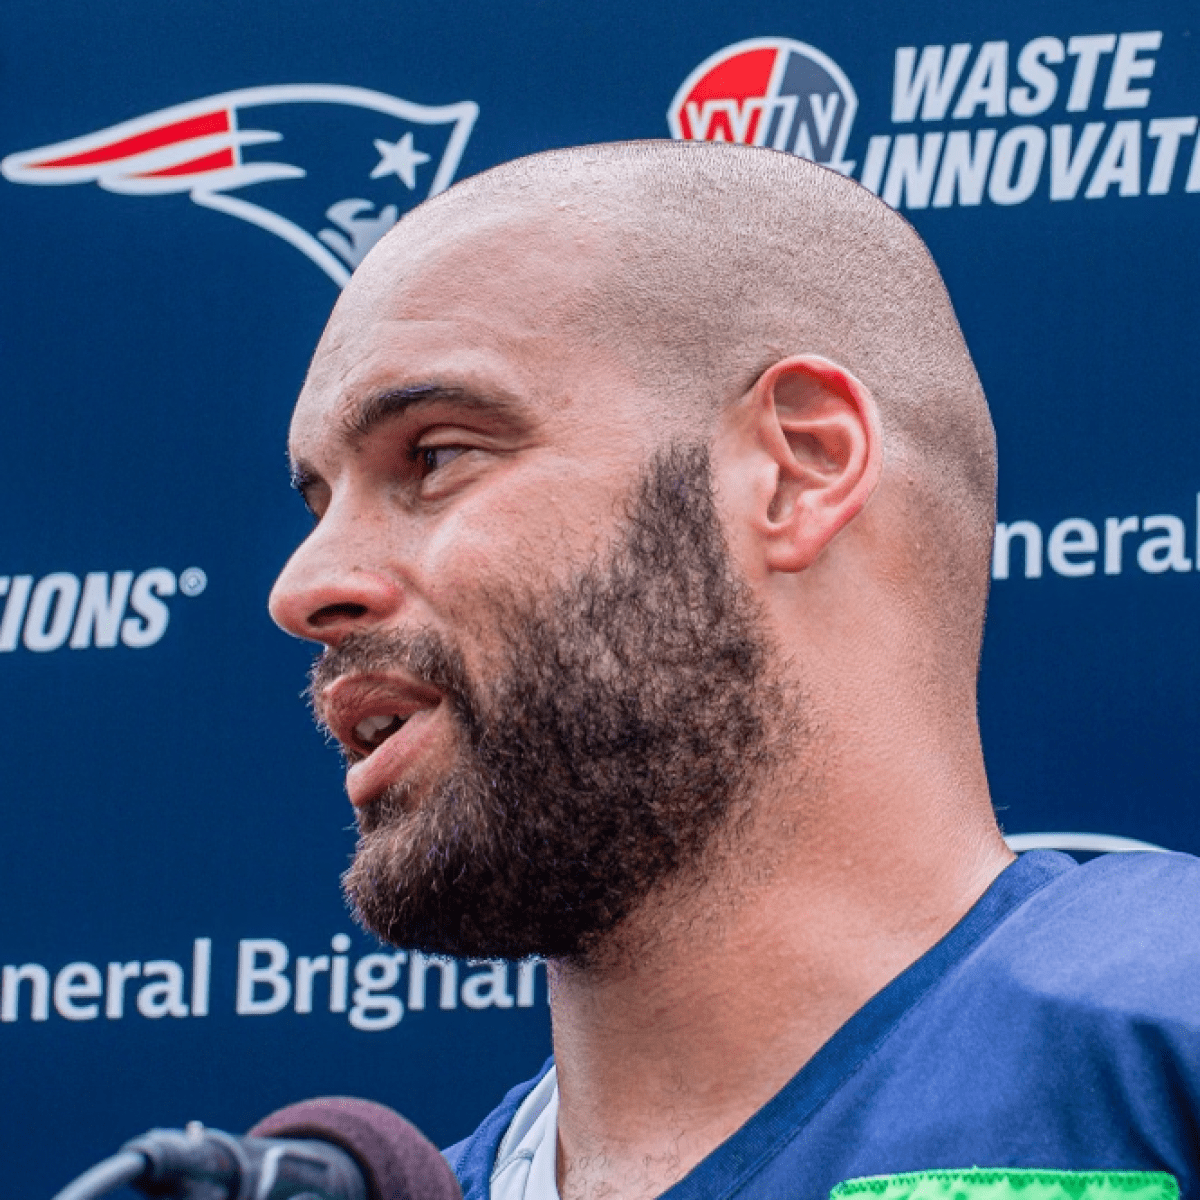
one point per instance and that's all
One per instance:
(527, 1157)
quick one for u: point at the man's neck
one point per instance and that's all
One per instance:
(729, 990)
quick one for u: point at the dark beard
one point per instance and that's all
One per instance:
(621, 739)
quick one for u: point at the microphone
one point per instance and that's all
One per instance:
(398, 1161)
(336, 1148)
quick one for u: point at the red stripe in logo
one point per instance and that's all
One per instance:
(152, 139)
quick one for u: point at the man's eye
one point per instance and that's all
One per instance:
(432, 458)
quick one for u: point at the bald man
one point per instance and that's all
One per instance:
(654, 489)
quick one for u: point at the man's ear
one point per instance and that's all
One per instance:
(819, 446)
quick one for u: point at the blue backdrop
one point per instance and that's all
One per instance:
(185, 186)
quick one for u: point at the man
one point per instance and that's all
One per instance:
(654, 492)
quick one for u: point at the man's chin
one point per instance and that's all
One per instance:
(415, 880)
(446, 895)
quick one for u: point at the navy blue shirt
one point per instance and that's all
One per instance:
(1057, 1025)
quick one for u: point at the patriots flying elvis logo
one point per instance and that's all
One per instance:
(326, 167)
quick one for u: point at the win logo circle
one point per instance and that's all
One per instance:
(769, 92)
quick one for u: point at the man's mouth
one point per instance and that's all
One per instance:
(383, 723)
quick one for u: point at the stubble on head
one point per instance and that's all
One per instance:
(615, 754)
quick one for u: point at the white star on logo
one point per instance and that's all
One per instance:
(399, 159)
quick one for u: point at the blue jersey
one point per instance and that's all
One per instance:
(1056, 1027)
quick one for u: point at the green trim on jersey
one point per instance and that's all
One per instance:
(1012, 1183)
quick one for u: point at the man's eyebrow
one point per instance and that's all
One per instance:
(383, 406)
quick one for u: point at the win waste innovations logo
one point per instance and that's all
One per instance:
(769, 92)
(327, 168)
(1057, 118)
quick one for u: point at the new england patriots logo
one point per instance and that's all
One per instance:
(327, 168)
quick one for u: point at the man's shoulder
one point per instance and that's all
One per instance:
(472, 1159)
(1067, 1038)
(1121, 931)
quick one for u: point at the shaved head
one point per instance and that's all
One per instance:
(715, 261)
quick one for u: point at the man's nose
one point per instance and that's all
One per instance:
(328, 591)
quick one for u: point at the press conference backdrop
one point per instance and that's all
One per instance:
(185, 189)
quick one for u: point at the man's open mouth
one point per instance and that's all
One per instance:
(363, 712)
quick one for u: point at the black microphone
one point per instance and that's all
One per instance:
(335, 1148)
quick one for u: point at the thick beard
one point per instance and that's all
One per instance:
(624, 736)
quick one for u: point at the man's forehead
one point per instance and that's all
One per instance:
(505, 274)
(473, 305)
(456, 247)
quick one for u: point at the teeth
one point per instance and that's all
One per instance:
(371, 731)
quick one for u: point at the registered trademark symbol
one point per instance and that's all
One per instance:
(192, 581)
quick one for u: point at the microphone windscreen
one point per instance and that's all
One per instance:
(399, 1162)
